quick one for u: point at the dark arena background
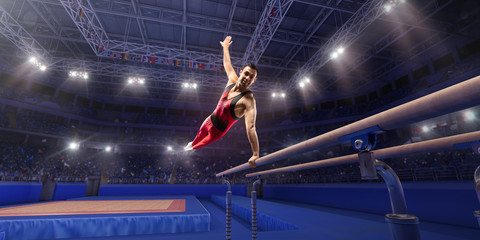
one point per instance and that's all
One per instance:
(367, 115)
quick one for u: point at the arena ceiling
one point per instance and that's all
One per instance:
(170, 42)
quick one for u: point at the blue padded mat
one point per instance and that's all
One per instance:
(195, 219)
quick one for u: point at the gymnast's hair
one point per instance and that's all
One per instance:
(251, 65)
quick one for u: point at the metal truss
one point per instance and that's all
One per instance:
(344, 37)
(140, 23)
(230, 17)
(14, 32)
(197, 21)
(381, 45)
(167, 52)
(159, 78)
(82, 14)
(90, 27)
(48, 17)
(318, 21)
(272, 17)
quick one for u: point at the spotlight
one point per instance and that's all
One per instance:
(73, 146)
(337, 52)
(169, 148)
(274, 95)
(136, 80)
(37, 63)
(387, 7)
(108, 149)
(190, 85)
(304, 82)
(425, 129)
(469, 115)
(75, 74)
(283, 95)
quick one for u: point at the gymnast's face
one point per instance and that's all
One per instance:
(247, 77)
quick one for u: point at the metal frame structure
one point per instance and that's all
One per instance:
(87, 22)
(272, 17)
(14, 32)
(344, 37)
(262, 34)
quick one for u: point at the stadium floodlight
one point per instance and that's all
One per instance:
(78, 74)
(38, 64)
(73, 146)
(304, 82)
(387, 7)
(136, 81)
(425, 129)
(469, 115)
(335, 54)
(190, 85)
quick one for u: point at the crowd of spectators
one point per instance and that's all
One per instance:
(23, 162)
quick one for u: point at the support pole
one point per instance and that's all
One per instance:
(403, 226)
(228, 211)
(477, 188)
(254, 210)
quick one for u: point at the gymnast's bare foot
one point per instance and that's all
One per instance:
(189, 147)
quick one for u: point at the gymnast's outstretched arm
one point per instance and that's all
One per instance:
(250, 116)
(227, 63)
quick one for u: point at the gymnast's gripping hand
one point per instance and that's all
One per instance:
(251, 161)
(227, 42)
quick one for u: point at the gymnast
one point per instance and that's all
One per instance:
(236, 101)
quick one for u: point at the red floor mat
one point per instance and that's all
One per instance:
(95, 207)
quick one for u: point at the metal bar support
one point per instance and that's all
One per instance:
(228, 211)
(403, 226)
(254, 210)
(476, 178)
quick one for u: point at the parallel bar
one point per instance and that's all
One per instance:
(457, 97)
(440, 144)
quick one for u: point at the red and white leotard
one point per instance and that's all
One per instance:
(221, 120)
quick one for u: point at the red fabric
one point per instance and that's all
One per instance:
(207, 134)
